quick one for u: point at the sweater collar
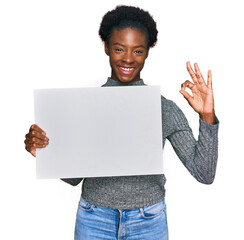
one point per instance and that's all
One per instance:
(111, 82)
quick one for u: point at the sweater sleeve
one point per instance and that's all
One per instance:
(198, 156)
(72, 181)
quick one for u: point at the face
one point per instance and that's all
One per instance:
(127, 51)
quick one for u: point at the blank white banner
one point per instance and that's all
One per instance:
(99, 131)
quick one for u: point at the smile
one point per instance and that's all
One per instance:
(126, 70)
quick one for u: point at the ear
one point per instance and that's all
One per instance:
(147, 53)
(106, 48)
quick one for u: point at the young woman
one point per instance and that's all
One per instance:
(133, 207)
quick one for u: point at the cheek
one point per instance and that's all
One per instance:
(112, 57)
(142, 62)
(114, 60)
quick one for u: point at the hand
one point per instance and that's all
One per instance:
(36, 138)
(202, 100)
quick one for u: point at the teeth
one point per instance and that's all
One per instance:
(126, 69)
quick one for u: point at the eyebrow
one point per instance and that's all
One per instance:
(124, 45)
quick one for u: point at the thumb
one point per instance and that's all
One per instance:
(186, 95)
(33, 152)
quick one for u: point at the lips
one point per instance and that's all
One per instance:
(126, 70)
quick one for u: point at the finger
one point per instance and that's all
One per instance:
(35, 146)
(209, 81)
(37, 128)
(33, 137)
(31, 150)
(33, 153)
(34, 134)
(188, 84)
(36, 140)
(191, 72)
(31, 147)
(199, 74)
(186, 95)
(38, 145)
(38, 135)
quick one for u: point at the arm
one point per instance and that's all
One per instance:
(36, 138)
(198, 156)
(72, 181)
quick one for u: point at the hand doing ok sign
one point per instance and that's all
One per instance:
(202, 100)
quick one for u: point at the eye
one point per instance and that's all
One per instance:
(118, 50)
(139, 52)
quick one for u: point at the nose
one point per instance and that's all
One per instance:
(128, 57)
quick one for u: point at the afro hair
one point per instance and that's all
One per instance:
(127, 16)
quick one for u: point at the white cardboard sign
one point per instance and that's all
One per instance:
(99, 131)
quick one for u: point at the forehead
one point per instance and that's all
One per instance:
(128, 36)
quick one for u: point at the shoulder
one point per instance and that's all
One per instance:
(173, 118)
(169, 105)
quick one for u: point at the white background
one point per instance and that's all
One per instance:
(49, 43)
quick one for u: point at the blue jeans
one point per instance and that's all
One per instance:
(99, 223)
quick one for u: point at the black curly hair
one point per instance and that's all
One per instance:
(127, 16)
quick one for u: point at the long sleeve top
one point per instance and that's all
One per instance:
(129, 192)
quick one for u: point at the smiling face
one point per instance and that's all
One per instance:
(127, 51)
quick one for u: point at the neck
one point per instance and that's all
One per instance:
(111, 82)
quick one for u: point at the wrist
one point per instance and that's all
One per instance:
(209, 118)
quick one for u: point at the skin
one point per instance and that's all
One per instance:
(128, 48)
(35, 138)
(202, 100)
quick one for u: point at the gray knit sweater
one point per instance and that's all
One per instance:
(129, 192)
